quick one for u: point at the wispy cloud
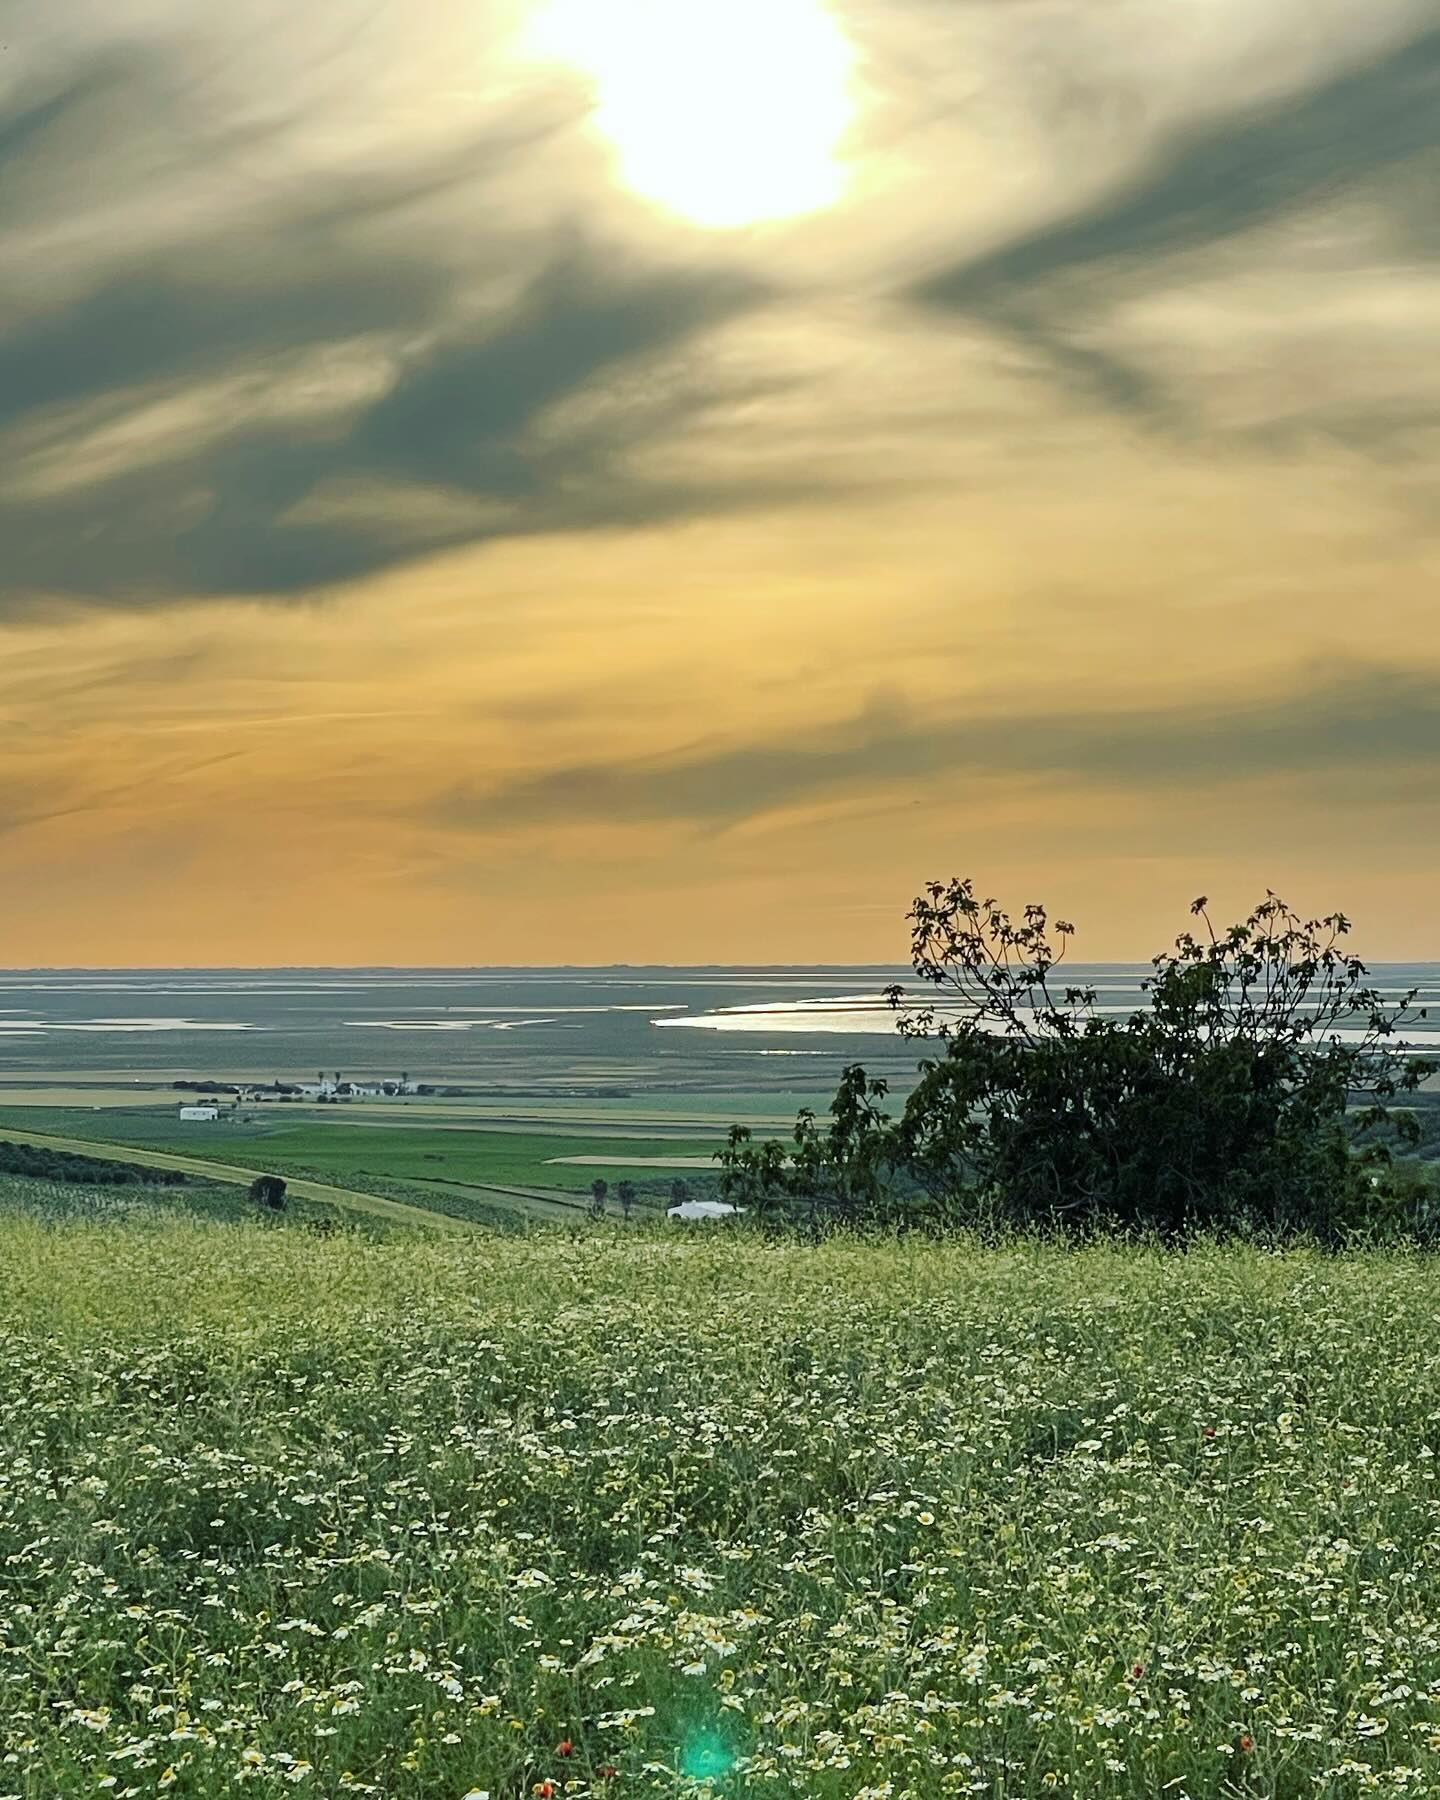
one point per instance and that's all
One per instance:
(1385, 720)
(232, 383)
(1371, 132)
(363, 393)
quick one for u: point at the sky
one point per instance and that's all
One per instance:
(587, 481)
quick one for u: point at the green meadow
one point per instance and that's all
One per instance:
(438, 1165)
(683, 1512)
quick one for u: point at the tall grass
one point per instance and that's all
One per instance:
(633, 1514)
(132, 1202)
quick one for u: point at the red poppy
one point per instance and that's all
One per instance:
(544, 1788)
(1138, 1670)
(1209, 1431)
(606, 1770)
(1247, 1743)
(564, 1748)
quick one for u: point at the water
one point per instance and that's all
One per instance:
(767, 1033)
(582, 1033)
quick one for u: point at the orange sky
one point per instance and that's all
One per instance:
(461, 507)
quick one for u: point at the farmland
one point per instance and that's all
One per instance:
(537, 1082)
(488, 1173)
(55, 1201)
(433, 1517)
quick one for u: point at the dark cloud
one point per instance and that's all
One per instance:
(461, 411)
(29, 124)
(1374, 129)
(459, 420)
(1378, 720)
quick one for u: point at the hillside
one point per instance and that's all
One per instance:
(432, 1517)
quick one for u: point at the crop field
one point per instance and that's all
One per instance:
(53, 1201)
(617, 1514)
(331, 1148)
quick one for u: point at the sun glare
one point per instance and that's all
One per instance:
(726, 111)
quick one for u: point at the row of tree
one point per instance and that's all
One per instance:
(1255, 1089)
(627, 1194)
(43, 1164)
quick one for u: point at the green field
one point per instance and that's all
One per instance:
(53, 1201)
(420, 1518)
(440, 1165)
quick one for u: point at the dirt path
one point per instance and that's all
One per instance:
(350, 1199)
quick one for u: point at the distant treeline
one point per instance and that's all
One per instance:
(64, 1165)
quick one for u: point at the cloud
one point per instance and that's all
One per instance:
(245, 366)
(41, 797)
(1375, 719)
(313, 385)
(1371, 132)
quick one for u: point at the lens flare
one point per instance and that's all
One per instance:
(705, 1754)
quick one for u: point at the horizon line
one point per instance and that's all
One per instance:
(554, 968)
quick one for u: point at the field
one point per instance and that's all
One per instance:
(494, 1174)
(644, 1514)
(199, 1199)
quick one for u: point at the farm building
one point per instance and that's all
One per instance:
(335, 1087)
(199, 1115)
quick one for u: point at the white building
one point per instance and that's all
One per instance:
(335, 1087)
(199, 1115)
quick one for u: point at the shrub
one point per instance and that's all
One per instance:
(40, 1162)
(268, 1191)
(1224, 1103)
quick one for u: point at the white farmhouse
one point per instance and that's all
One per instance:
(199, 1115)
(335, 1087)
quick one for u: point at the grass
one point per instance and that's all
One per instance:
(53, 1201)
(424, 1518)
(372, 1206)
(354, 1155)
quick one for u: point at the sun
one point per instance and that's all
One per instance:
(728, 112)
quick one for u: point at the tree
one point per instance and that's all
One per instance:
(845, 1172)
(1225, 1101)
(269, 1192)
(679, 1191)
(599, 1188)
(625, 1194)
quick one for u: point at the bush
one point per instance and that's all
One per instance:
(39, 1162)
(1226, 1103)
(268, 1191)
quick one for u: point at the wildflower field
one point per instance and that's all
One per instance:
(622, 1514)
